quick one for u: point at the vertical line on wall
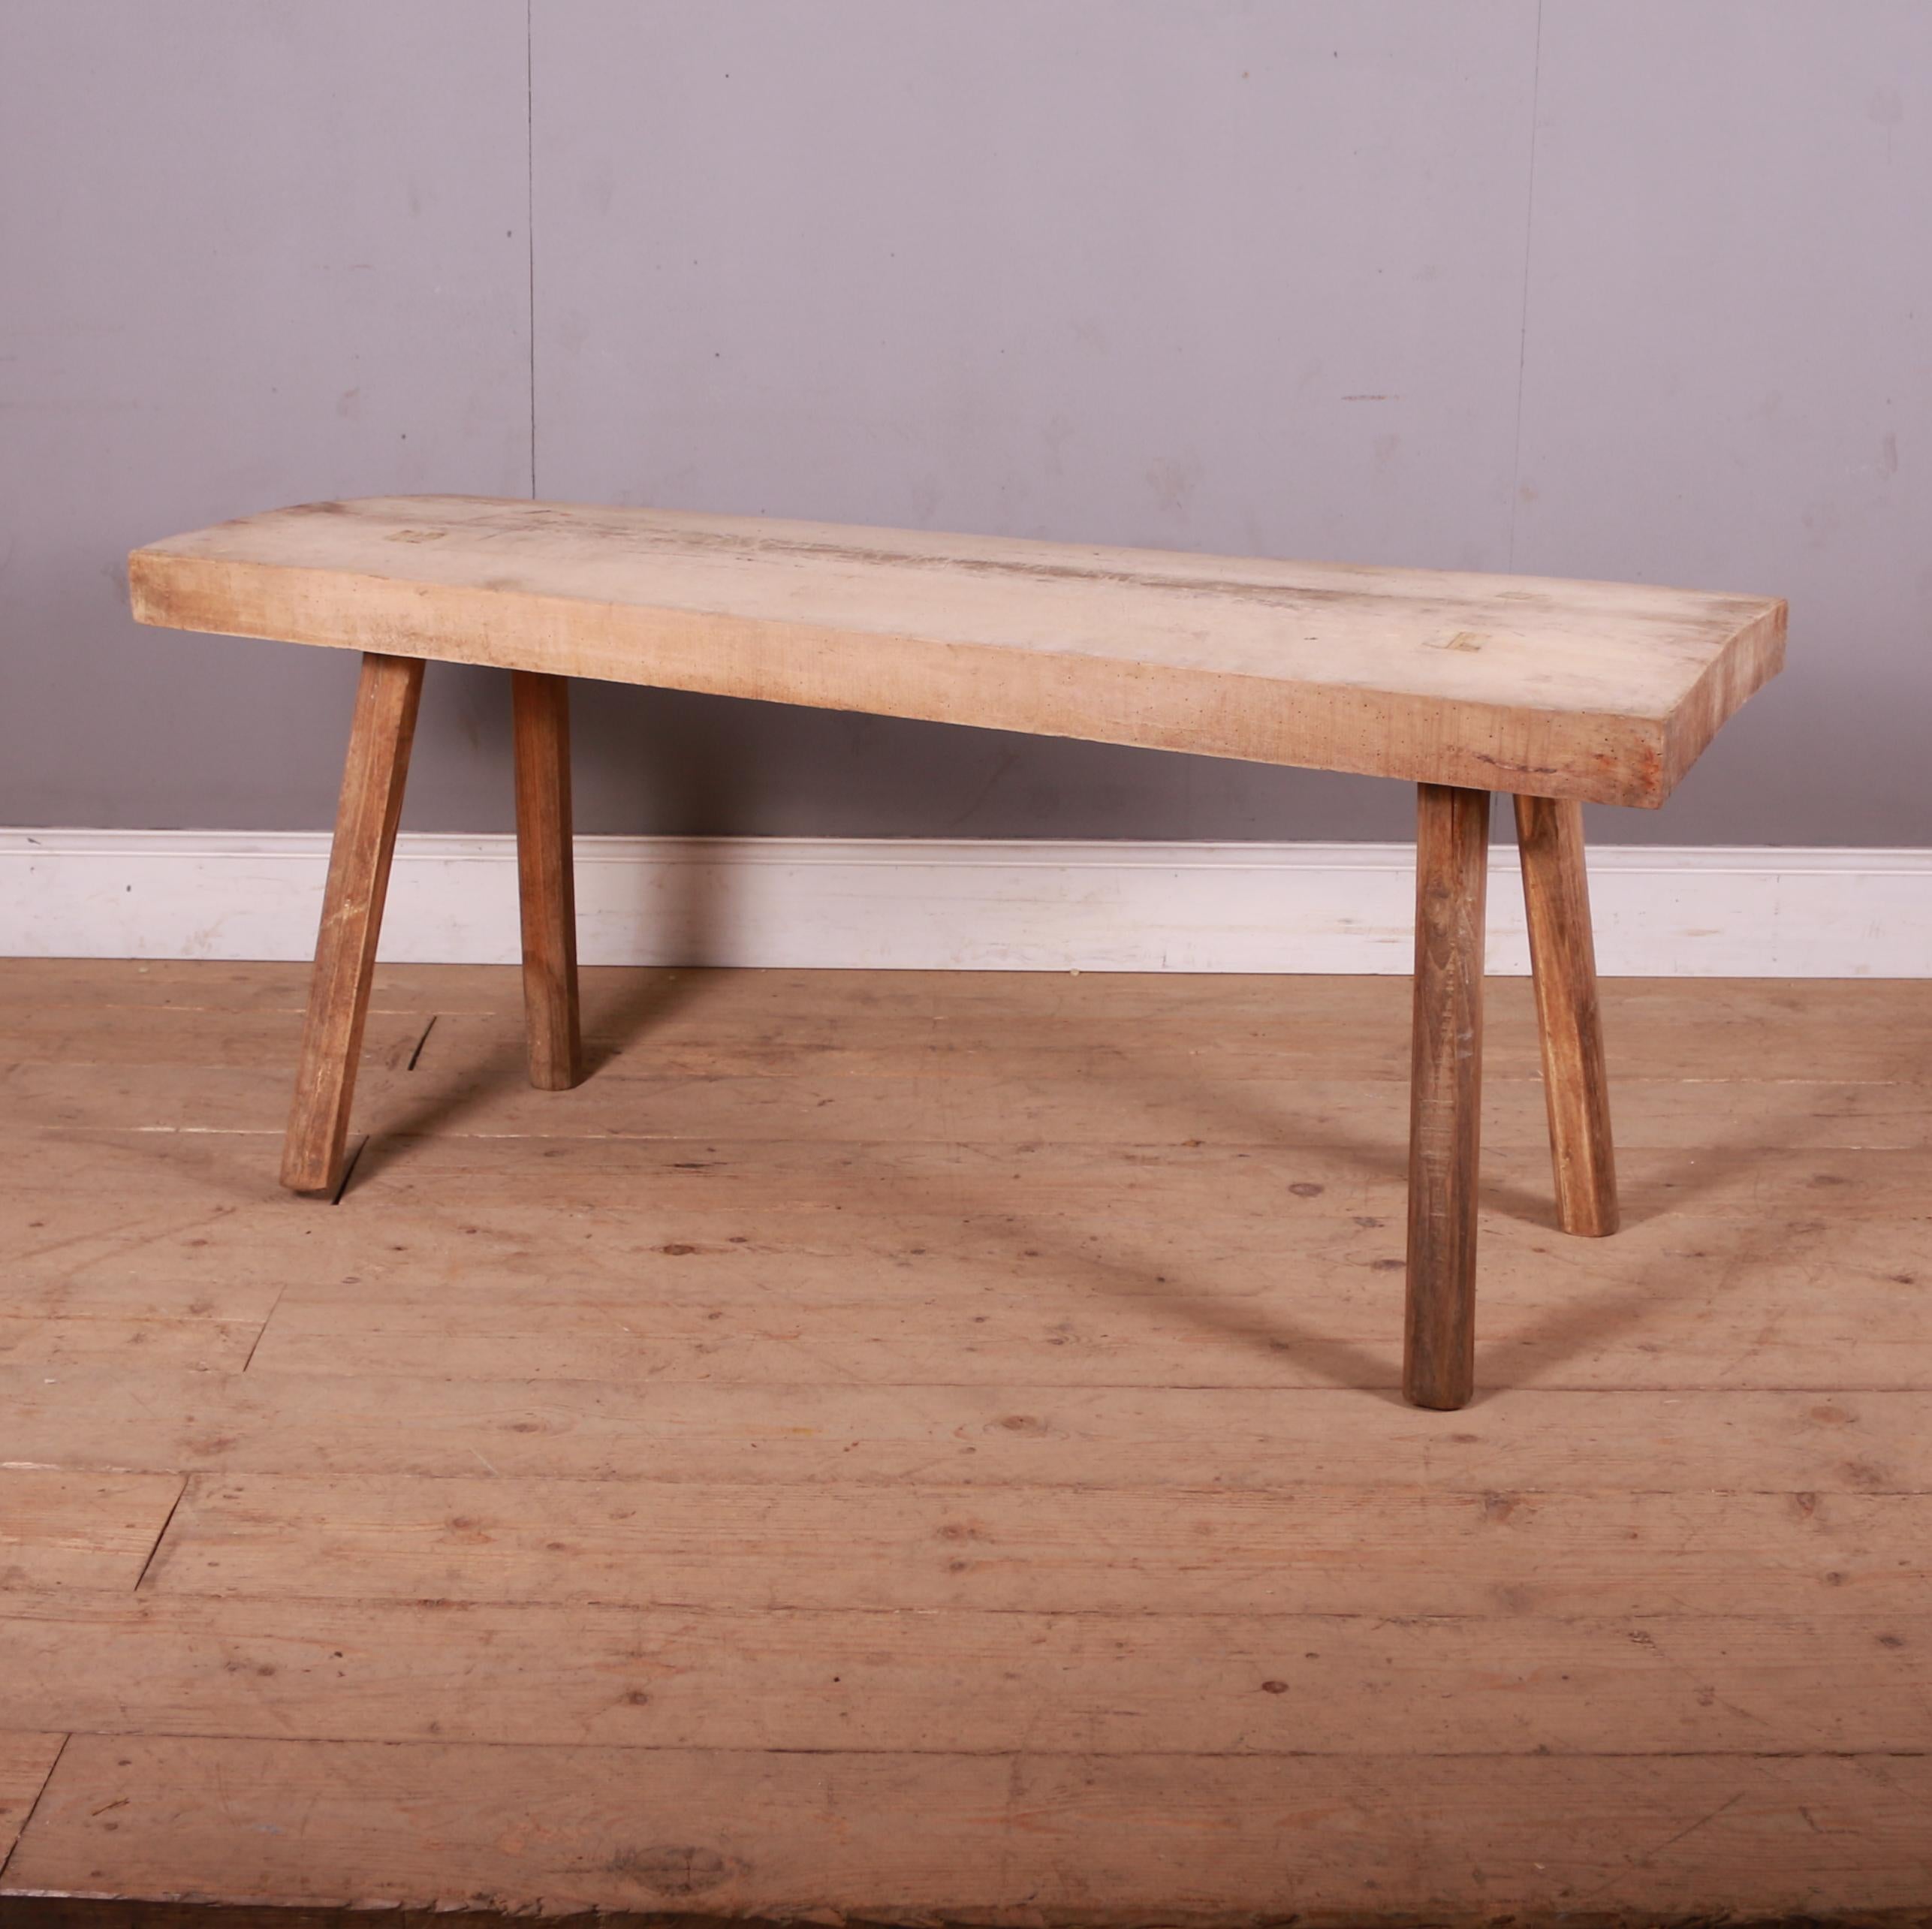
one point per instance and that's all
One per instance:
(1523, 317)
(530, 211)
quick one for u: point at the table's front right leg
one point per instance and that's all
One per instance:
(540, 709)
(365, 841)
(1446, 1094)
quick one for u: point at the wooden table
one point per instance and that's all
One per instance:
(1561, 693)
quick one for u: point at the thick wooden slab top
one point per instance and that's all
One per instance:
(1607, 691)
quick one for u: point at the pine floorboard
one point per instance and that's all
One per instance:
(924, 1447)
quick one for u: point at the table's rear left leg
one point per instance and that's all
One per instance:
(365, 817)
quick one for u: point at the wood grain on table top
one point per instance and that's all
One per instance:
(1605, 692)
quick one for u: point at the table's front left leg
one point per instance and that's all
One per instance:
(1446, 1094)
(365, 841)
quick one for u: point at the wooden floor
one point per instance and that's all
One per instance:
(925, 1448)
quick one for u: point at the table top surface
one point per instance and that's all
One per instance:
(1598, 690)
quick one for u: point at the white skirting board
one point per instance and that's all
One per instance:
(959, 904)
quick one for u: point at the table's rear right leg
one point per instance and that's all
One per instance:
(1562, 958)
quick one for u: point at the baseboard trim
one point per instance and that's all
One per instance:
(959, 904)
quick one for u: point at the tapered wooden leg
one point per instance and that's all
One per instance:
(545, 874)
(1562, 956)
(1446, 1094)
(371, 800)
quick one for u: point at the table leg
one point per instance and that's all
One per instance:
(1446, 1094)
(541, 705)
(371, 800)
(1562, 956)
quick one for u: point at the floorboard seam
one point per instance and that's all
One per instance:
(174, 1507)
(33, 1807)
(434, 1743)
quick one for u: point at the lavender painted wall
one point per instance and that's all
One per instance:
(1616, 288)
